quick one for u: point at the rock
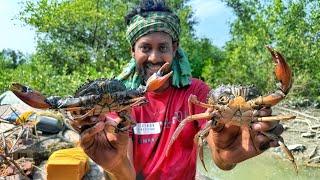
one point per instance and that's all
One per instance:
(13, 177)
(308, 134)
(313, 152)
(315, 126)
(315, 160)
(297, 147)
(96, 172)
(40, 173)
(285, 127)
(6, 126)
(71, 136)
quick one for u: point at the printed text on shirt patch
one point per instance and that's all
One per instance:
(147, 128)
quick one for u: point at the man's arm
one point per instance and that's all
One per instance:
(126, 169)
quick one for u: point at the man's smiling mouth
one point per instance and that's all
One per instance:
(152, 68)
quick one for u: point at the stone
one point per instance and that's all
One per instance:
(40, 172)
(95, 172)
(297, 147)
(308, 134)
(71, 136)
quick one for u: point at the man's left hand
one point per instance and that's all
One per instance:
(232, 144)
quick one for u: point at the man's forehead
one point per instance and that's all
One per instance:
(159, 37)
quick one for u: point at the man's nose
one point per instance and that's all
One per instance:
(155, 57)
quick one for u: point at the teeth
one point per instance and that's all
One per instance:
(153, 69)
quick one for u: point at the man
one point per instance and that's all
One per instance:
(153, 32)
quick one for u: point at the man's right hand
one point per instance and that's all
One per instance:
(105, 146)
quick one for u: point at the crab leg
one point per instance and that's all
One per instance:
(279, 139)
(193, 100)
(200, 135)
(274, 118)
(206, 115)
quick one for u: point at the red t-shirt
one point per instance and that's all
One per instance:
(156, 122)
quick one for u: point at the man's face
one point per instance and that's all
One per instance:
(152, 51)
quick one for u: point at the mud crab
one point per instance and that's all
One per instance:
(94, 97)
(236, 104)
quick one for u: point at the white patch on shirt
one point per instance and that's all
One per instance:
(147, 128)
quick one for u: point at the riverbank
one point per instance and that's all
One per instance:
(302, 135)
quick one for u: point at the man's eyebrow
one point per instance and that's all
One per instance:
(144, 43)
(164, 43)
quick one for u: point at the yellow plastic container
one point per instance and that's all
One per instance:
(67, 164)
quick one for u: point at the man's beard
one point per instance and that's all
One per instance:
(148, 69)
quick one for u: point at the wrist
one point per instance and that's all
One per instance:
(222, 164)
(124, 170)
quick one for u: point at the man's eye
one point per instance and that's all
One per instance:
(144, 48)
(163, 48)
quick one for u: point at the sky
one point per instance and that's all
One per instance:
(212, 15)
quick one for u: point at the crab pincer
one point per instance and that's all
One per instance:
(29, 96)
(158, 79)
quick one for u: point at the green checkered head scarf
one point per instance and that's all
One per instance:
(156, 21)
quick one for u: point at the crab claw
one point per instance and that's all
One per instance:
(282, 70)
(283, 75)
(158, 79)
(31, 97)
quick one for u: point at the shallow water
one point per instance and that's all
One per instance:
(262, 167)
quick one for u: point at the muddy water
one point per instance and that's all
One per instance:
(263, 167)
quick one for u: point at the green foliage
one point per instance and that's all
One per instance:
(292, 27)
(45, 78)
(11, 59)
(79, 40)
(74, 32)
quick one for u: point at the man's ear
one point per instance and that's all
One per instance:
(175, 46)
(132, 51)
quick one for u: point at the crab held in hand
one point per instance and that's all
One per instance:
(94, 97)
(236, 104)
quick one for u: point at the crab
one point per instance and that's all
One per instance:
(94, 98)
(235, 104)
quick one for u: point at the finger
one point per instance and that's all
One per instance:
(74, 125)
(277, 130)
(264, 126)
(265, 111)
(262, 142)
(225, 136)
(88, 134)
(78, 124)
(88, 121)
(274, 143)
(218, 128)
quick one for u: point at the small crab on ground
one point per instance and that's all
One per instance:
(95, 97)
(236, 104)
